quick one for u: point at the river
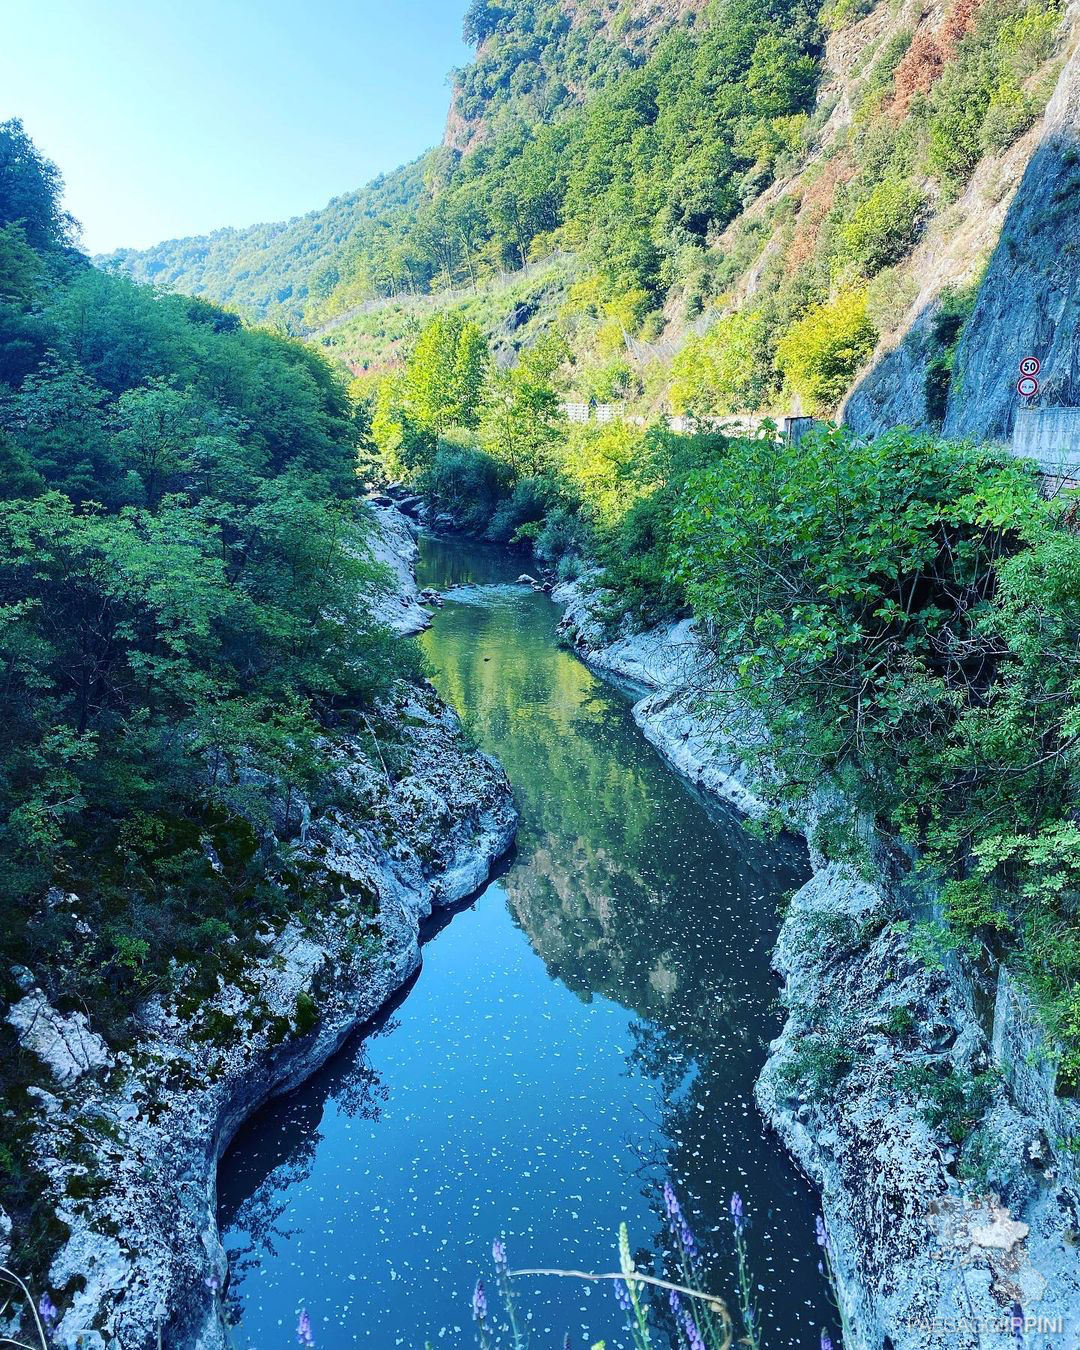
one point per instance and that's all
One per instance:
(589, 1026)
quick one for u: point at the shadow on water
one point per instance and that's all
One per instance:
(588, 1027)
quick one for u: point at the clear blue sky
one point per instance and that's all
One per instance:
(169, 119)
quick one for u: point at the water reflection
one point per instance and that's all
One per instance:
(593, 1025)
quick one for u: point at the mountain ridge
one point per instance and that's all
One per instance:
(850, 163)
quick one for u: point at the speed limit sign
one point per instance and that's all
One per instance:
(1027, 386)
(1030, 365)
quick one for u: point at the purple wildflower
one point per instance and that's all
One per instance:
(1016, 1317)
(676, 1304)
(821, 1232)
(48, 1312)
(303, 1329)
(686, 1237)
(693, 1336)
(671, 1202)
(622, 1296)
(826, 1341)
(498, 1255)
(212, 1283)
(737, 1211)
(566, 1342)
(479, 1302)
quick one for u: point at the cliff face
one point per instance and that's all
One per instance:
(1028, 302)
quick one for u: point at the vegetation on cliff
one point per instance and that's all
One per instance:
(182, 562)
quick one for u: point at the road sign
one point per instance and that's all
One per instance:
(1030, 365)
(1027, 386)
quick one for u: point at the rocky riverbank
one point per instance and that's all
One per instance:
(945, 1161)
(130, 1141)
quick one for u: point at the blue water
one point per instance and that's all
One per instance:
(591, 1025)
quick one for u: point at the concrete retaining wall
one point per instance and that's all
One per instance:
(1051, 437)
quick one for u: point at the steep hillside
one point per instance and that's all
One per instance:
(536, 59)
(766, 202)
(1005, 253)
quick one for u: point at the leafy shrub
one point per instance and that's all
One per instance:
(947, 1098)
(728, 370)
(954, 308)
(882, 229)
(821, 352)
(522, 513)
(306, 1016)
(465, 482)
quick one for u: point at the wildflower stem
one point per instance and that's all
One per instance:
(511, 1311)
(716, 1304)
(746, 1301)
(12, 1278)
(847, 1334)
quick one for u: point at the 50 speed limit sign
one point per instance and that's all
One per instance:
(1030, 366)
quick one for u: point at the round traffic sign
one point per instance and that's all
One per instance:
(1030, 365)
(1027, 386)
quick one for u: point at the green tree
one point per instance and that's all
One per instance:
(820, 354)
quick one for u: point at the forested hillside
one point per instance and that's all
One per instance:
(182, 569)
(731, 205)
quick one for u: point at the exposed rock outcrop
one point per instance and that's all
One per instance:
(394, 547)
(1029, 302)
(930, 1240)
(65, 1045)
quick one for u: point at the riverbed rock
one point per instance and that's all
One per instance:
(923, 1234)
(394, 545)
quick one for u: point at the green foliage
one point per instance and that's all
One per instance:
(881, 230)
(828, 570)
(947, 1098)
(954, 308)
(183, 571)
(728, 370)
(446, 375)
(818, 1063)
(903, 617)
(465, 482)
(306, 1017)
(639, 553)
(821, 352)
(983, 101)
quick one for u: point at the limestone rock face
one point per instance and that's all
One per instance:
(394, 546)
(146, 1250)
(65, 1044)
